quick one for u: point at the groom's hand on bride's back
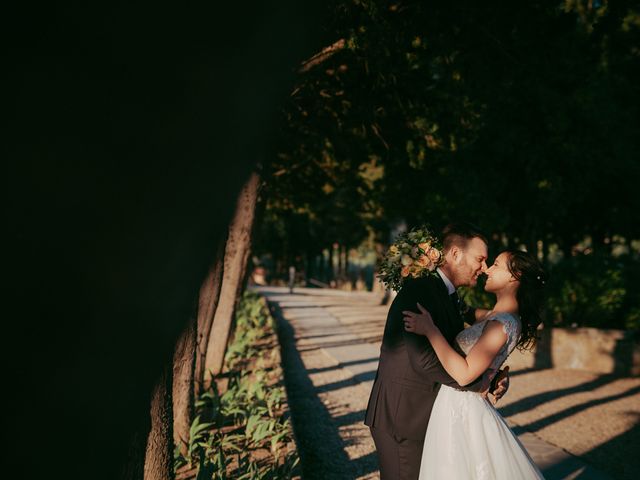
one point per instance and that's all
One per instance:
(499, 385)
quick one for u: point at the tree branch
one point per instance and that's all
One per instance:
(321, 56)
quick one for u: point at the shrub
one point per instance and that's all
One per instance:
(590, 290)
(242, 433)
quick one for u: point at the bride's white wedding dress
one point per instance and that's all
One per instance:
(467, 438)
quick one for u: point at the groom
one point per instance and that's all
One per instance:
(409, 373)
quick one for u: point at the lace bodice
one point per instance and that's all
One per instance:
(467, 338)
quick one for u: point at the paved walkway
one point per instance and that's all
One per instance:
(575, 425)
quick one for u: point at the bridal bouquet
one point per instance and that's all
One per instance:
(413, 254)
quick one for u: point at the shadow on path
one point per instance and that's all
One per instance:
(612, 453)
(317, 436)
(342, 364)
(615, 453)
(533, 400)
(567, 412)
(358, 378)
(515, 373)
(355, 341)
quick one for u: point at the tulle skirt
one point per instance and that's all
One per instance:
(468, 439)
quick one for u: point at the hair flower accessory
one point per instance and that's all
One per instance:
(413, 254)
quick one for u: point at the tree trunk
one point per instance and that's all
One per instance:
(207, 303)
(158, 463)
(346, 259)
(567, 246)
(309, 270)
(133, 468)
(598, 242)
(545, 252)
(322, 271)
(321, 56)
(235, 261)
(331, 274)
(182, 391)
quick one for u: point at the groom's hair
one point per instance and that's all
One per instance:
(459, 234)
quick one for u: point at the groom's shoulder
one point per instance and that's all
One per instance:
(428, 284)
(423, 290)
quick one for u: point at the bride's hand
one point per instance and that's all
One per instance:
(418, 323)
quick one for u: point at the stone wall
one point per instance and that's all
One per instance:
(591, 349)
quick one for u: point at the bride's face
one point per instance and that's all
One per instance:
(498, 275)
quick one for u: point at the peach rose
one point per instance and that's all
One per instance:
(424, 261)
(416, 271)
(406, 260)
(434, 255)
(406, 270)
(424, 246)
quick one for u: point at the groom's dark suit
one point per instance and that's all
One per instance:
(409, 377)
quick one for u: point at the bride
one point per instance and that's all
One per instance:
(466, 437)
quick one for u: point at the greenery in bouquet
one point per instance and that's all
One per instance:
(413, 254)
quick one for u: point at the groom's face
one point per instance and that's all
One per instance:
(472, 262)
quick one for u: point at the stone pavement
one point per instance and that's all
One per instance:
(575, 425)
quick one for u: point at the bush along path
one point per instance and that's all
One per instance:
(241, 429)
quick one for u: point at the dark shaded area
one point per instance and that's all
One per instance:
(623, 353)
(567, 468)
(132, 128)
(349, 418)
(523, 371)
(611, 458)
(542, 355)
(615, 453)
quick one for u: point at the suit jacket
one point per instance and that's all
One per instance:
(409, 373)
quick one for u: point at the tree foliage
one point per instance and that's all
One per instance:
(519, 116)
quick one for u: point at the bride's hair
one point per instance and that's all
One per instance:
(530, 295)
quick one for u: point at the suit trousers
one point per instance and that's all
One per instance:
(399, 458)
